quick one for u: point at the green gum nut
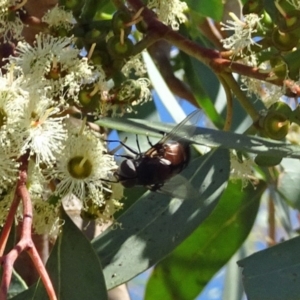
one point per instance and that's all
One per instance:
(88, 100)
(100, 58)
(142, 26)
(61, 32)
(119, 21)
(284, 41)
(291, 22)
(281, 107)
(118, 49)
(93, 35)
(275, 125)
(267, 161)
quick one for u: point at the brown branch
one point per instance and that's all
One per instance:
(25, 243)
(211, 57)
(9, 223)
(271, 222)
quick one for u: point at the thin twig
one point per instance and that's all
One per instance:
(271, 222)
(25, 242)
(240, 95)
(229, 101)
(211, 57)
(9, 223)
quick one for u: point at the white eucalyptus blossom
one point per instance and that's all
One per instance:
(241, 170)
(102, 212)
(13, 100)
(243, 32)
(59, 18)
(5, 203)
(45, 132)
(170, 12)
(81, 166)
(267, 92)
(132, 93)
(11, 25)
(53, 64)
(45, 217)
(8, 166)
(136, 65)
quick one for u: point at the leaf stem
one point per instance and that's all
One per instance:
(229, 107)
(240, 95)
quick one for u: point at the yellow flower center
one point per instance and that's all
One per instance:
(79, 167)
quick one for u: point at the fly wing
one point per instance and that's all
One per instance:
(179, 187)
(185, 128)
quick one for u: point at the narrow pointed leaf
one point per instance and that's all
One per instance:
(156, 224)
(187, 270)
(209, 137)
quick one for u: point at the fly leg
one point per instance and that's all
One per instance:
(122, 144)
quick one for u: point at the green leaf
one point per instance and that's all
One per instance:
(74, 268)
(201, 79)
(208, 137)
(17, 285)
(273, 274)
(156, 224)
(187, 270)
(209, 8)
(288, 182)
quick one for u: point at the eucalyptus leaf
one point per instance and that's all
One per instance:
(201, 79)
(195, 261)
(288, 182)
(72, 266)
(209, 8)
(274, 273)
(17, 285)
(156, 224)
(208, 137)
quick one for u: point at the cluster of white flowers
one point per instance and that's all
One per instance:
(170, 12)
(66, 159)
(243, 33)
(59, 18)
(11, 25)
(42, 84)
(241, 40)
(241, 170)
